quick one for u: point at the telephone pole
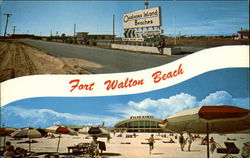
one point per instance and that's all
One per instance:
(7, 20)
(14, 29)
(174, 20)
(113, 28)
(146, 4)
(74, 30)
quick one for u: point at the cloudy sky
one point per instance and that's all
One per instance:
(220, 87)
(196, 17)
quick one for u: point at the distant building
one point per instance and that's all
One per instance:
(86, 35)
(22, 36)
(81, 35)
(243, 34)
(100, 36)
(139, 124)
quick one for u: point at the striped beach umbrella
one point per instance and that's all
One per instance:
(6, 131)
(27, 133)
(209, 119)
(99, 132)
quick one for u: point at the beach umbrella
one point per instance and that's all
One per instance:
(84, 130)
(6, 131)
(209, 119)
(27, 133)
(60, 130)
(99, 132)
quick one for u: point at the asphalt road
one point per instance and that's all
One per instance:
(112, 61)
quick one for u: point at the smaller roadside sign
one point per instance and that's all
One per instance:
(133, 39)
(148, 32)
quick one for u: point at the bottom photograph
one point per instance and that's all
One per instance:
(191, 119)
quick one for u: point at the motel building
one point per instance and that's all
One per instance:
(86, 35)
(243, 34)
(139, 124)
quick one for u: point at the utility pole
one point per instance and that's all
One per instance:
(174, 31)
(74, 30)
(14, 29)
(113, 27)
(7, 20)
(146, 4)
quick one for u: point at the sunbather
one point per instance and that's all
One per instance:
(9, 150)
(246, 150)
(20, 153)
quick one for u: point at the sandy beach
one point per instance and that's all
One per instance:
(122, 147)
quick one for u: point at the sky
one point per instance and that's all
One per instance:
(219, 87)
(183, 17)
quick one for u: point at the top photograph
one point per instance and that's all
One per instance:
(100, 37)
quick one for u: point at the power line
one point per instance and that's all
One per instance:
(7, 20)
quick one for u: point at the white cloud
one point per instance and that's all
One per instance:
(47, 117)
(165, 107)
(160, 108)
(218, 98)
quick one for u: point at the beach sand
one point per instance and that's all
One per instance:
(117, 146)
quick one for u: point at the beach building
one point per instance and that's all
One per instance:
(81, 35)
(139, 124)
(243, 34)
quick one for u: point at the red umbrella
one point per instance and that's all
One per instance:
(209, 119)
(4, 131)
(60, 130)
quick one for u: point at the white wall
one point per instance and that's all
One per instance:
(167, 51)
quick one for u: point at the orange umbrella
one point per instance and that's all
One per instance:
(209, 119)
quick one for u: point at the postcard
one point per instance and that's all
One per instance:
(125, 79)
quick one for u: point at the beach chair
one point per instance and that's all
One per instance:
(229, 150)
(102, 146)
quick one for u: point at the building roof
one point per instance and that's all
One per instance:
(138, 119)
(245, 32)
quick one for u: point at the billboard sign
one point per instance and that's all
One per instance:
(142, 18)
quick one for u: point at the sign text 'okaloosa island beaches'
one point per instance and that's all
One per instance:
(142, 18)
(146, 18)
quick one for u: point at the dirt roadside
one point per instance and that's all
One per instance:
(18, 59)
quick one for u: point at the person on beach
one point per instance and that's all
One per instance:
(94, 146)
(9, 150)
(204, 141)
(151, 141)
(161, 46)
(20, 153)
(182, 141)
(246, 150)
(212, 144)
(190, 140)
